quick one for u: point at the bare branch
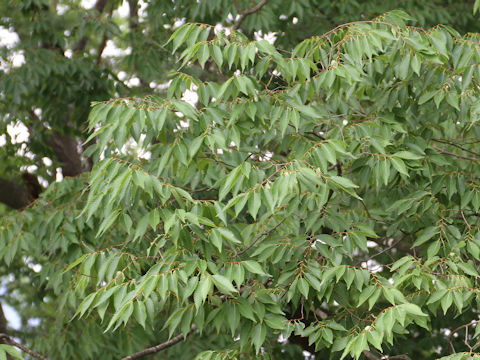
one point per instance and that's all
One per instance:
(247, 12)
(157, 348)
(464, 326)
(32, 353)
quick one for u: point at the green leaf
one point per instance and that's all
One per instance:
(407, 155)
(223, 284)
(258, 336)
(216, 239)
(202, 291)
(179, 36)
(8, 349)
(229, 235)
(426, 96)
(425, 235)
(254, 267)
(203, 54)
(185, 108)
(413, 309)
(399, 165)
(230, 181)
(140, 313)
(217, 55)
(343, 182)
(254, 202)
(75, 263)
(275, 321)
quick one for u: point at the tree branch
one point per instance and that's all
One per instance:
(66, 151)
(159, 347)
(397, 244)
(464, 326)
(32, 353)
(3, 330)
(247, 12)
(394, 244)
(370, 355)
(3, 324)
(101, 47)
(456, 145)
(456, 155)
(259, 236)
(99, 6)
(65, 148)
(103, 44)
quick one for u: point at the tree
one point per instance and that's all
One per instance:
(321, 195)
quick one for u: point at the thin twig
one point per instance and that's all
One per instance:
(22, 347)
(456, 155)
(247, 12)
(259, 236)
(456, 145)
(159, 347)
(394, 244)
(315, 134)
(464, 326)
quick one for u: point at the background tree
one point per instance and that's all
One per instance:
(323, 189)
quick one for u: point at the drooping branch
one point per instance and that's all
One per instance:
(9, 341)
(159, 347)
(247, 12)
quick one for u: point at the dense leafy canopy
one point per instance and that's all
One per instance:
(322, 194)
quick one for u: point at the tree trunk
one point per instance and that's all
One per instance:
(13, 195)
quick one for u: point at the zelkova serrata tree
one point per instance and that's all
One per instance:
(327, 196)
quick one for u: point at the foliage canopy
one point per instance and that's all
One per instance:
(319, 197)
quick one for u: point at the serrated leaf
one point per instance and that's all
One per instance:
(254, 267)
(223, 284)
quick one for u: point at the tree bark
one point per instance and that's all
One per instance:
(82, 44)
(3, 329)
(3, 323)
(13, 195)
(66, 151)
